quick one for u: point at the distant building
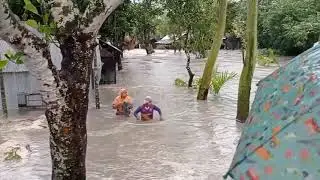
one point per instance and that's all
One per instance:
(166, 42)
(110, 57)
(22, 89)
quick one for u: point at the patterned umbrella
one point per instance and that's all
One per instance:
(281, 138)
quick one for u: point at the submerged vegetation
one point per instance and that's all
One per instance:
(12, 155)
(181, 83)
(218, 80)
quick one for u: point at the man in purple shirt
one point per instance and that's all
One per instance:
(146, 110)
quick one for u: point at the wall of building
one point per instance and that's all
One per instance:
(16, 83)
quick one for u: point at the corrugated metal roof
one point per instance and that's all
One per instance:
(109, 44)
(165, 40)
(11, 67)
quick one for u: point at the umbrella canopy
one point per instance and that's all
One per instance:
(281, 138)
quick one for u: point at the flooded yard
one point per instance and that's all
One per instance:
(196, 140)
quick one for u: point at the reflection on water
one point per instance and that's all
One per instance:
(196, 140)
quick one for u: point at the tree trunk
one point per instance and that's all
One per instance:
(187, 51)
(67, 117)
(249, 64)
(95, 79)
(190, 73)
(3, 95)
(66, 91)
(207, 73)
(149, 48)
(147, 44)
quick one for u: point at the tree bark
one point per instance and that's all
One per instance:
(149, 48)
(67, 121)
(3, 95)
(187, 51)
(65, 91)
(207, 73)
(249, 64)
(147, 43)
(95, 78)
(190, 73)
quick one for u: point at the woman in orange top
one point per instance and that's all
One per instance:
(122, 103)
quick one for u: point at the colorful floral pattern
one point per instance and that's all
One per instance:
(281, 138)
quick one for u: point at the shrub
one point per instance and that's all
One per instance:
(12, 154)
(179, 82)
(196, 83)
(220, 79)
(267, 57)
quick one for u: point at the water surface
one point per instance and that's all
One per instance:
(196, 141)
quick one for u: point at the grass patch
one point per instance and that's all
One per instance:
(12, 154)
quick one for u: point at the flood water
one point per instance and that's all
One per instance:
(196, 140)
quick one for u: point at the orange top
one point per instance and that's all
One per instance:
(120, 99)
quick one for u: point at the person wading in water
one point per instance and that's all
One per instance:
(122, 103)
(146, 110)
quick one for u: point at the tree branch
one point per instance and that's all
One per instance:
(64, 12)
(96, 13)
(37, 52)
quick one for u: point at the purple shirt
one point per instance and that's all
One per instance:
(147, 110)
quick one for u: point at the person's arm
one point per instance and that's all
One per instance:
(158, 110)
(115, 103)
(129, 100)
(137, 111)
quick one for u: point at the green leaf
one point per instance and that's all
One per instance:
(3, 63)
(32, 23)
(30, 7)
(46, 18)
(7, 56)
(53, 25)
(46, 29)
(19, 54)
(19, 60)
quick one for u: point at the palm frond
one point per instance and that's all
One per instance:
(220, 79)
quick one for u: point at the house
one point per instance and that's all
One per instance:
(23, 89)
(166, 42)
(231, 42)
(110, 57)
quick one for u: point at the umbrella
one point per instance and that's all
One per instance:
(281, 137)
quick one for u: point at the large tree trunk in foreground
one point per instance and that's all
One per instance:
(249, 63)
(67, 122)
(64, 91)
(3, 95)
(207, 73)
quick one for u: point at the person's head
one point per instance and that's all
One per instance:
(123, 93)
(148, 100)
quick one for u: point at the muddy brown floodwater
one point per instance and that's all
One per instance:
(196, 140)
